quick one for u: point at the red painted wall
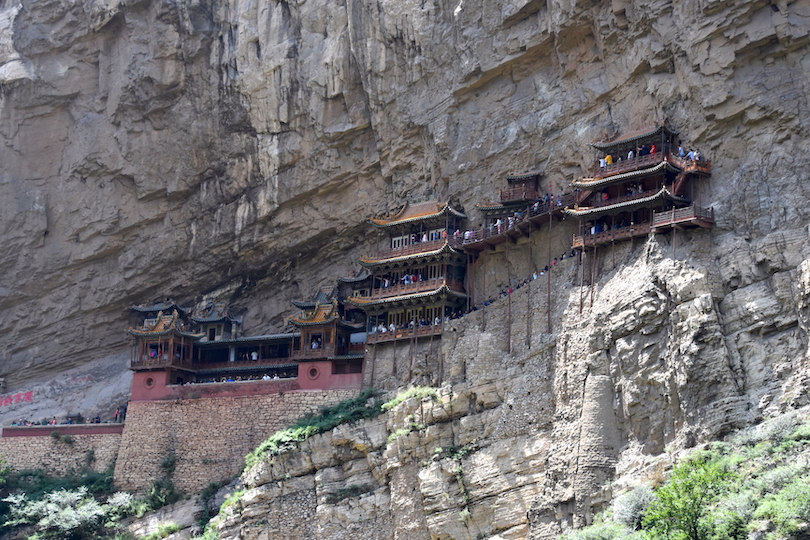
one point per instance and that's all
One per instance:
(318, 376)
(150, 385)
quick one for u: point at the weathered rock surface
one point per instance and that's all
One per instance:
(198, 148)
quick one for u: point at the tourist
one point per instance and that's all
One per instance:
(602, 163)
(608, 159)
(631, 154)
(653, 149)
(681, 152)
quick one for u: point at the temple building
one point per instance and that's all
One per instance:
(163, 351)
(328, 344)
(521, 208)
(640, 184)
(417, 280)
(217, 323)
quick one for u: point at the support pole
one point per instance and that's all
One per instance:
(548, 274)
(509, 318)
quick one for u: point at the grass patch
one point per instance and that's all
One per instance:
(345, 412)
(163, 531)
(416, 391)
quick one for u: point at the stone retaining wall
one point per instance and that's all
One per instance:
(208, 437)
(57, 456)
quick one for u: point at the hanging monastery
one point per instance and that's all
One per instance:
(422, 276)
(382, 327)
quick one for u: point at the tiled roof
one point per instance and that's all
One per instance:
(633, 136)
(416, 212)
(445, 248)
(164, 325)
(166, 306)
(522, 176)
(664, 193)
(591, 183)
(362, 301)
(215, 312)
(322, 314)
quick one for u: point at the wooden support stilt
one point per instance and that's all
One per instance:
(509, 319)
(548, 275)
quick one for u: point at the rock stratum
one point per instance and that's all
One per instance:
(233, 150)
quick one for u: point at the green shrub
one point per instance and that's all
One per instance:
(683, 505)
(416, 391)
(788, 509)
(286, 439)
(62, 515)
(163, 531)
(232, 499)
(607, 530)
(629, 508)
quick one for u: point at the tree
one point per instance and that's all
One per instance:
(684, 504)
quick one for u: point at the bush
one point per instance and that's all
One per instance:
(629, 509)
(286, 439)
(416, 391)
(789, 509)
(607, 530)
(163, 531)
(62, 515)
(683, 505)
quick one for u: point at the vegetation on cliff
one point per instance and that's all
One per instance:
(77, 506)
(347, 411)
(755, 485)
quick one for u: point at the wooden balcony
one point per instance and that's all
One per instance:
(661, 221)
(628, 165)
(517, 194)
(159, 362)
(613, 235)
(536, 214)
(691, 215)
(406, 333)
(403, 289)
(413, 249)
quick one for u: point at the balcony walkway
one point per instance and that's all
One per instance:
(690, 216)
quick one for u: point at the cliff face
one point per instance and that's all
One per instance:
(233, 150)
(531, 442)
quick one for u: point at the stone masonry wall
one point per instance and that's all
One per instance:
(209, 437)
(59, 457)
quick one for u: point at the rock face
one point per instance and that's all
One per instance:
(531, 435)
(232, 150)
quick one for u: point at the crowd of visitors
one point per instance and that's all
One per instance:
(77, 419)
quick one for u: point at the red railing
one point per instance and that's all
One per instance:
(519, 193)
(405, 333)
(401, 289)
